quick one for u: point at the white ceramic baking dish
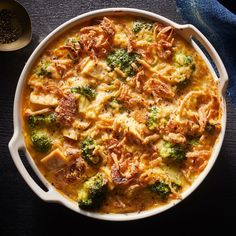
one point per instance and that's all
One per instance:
(17, 142)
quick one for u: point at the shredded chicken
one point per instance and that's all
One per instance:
(129, 100)
(29, 112)
(75, 173)
(66, 110)
(61, 66)
(182, 126)
(197, 154)
(158, 89)
(129, 166)
(117, 178)
(124, 170)
(140, 115)
(151, 138)
(175, 138)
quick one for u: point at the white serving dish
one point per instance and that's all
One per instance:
(17, 143)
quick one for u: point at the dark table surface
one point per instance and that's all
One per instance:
(212, 205)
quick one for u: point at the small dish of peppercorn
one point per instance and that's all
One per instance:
(15, 26)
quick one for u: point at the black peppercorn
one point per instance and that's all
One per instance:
(10, 28)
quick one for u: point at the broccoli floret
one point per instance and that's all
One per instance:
(50, 119)
(39, 120)
(43, 72)
(40, 140)
(161, 189)
(93, 192)
(86, 91)
(116, 104)
(183, 83)
(138, 25)
(176, 186)
(42, 69)
(173, 153)
(33, 121)
(123, 60)
(152, 119)
(183, 60)
(193, 141)
(87, 147)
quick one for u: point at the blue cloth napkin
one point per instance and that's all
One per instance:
(217, 20)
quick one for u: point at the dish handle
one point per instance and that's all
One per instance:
(190, 31)
(16, 144)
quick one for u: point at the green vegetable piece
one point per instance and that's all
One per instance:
(93, 192)
(86, 91)
(193, 67)
(41, 141)
(138, 25)
(123, 60)
(114, 103)
(210, 128)
(183, 83)
(161, 189)
(183, 60)
(150, 40)
(152, 119)
(40, 120)
(173, 153)
(194, 141)
(87, 147)
(42, 69)
(176, 186)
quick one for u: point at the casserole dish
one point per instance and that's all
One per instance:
(188, 32)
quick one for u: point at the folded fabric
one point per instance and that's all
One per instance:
(217, 21)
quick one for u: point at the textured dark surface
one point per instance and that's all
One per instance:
(212, 205)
